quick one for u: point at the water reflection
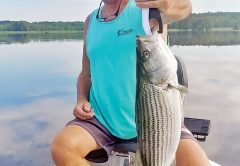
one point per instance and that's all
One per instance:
(28, 129)
(176, 38)
(37, 95)
(204, 38)
(214, 87)
(44, 36)
(38, 70)
(38, 92)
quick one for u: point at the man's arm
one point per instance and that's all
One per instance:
(171, 10)
(84, 79)
(83, 108)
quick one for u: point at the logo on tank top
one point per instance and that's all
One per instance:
(124, 32)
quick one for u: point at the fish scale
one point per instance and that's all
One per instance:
(153, 132)
(158, 105)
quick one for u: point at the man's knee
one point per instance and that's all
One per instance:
(189, 153)
(68, 146)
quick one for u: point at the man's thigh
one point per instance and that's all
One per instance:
(189, 153)
(76, 139)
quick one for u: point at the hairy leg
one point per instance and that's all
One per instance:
(189, 153)
(71, 145)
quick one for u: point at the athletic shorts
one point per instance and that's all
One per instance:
(106, 140)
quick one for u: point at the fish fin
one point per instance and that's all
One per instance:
(138, 159)
(173, 162)
(181, 88)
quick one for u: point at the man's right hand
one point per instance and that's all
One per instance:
(83, 111)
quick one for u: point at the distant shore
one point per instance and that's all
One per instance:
(211, 30)
(68, 31)
(201, 22)
(38, 32)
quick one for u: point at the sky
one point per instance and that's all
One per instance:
(77, 10)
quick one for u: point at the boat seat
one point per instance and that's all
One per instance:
(125, 147)
(181, 72)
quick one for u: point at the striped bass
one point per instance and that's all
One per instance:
(158, 103)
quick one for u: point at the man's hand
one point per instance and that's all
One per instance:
(162, 5)
(83, 111)
(171, 10)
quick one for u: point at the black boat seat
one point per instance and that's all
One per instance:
(125, 147)
(181, 72)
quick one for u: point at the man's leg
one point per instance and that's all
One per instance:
(71, 145)
(189, 153)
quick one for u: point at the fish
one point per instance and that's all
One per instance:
(159, 105)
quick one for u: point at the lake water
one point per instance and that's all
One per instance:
(38, 92)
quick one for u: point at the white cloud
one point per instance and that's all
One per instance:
(30, 129)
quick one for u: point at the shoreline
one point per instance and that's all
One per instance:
(211, 30)
(36, 32)
(58, 32)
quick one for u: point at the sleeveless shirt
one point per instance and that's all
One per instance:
(111, 49)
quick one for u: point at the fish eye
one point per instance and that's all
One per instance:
(146, 55)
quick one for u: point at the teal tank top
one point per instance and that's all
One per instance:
(111, 49)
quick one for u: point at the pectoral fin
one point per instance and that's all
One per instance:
(181, 88)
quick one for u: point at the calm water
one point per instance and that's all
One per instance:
(37, 94)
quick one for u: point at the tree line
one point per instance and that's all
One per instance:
(41, 26)
(208, 21)
(195, 22)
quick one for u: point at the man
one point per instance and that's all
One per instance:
(106, 85)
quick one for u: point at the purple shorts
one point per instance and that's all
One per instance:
(106, 140)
